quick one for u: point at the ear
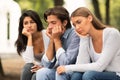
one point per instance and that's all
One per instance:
(90, 18)
(64, 22)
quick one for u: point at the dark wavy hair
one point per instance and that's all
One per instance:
(61, 14)
(21, 41)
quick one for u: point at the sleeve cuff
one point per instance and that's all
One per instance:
(46, 59)
(59, 52)
(68, 68)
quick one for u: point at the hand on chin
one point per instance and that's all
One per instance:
(82, 35)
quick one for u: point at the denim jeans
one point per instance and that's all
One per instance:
(45, 74)
(63, 76)
(94, 75)
(26, 74)
(50, 74)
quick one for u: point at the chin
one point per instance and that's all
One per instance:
(32, 32)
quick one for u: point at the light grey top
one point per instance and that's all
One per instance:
(109, 59)
(28, 54)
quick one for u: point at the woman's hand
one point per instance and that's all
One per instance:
(60, 69)
(83, 36)
(35, 68)
(26, 32)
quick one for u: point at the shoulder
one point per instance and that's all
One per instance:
(72, 32)
(44, 31)
(111, 31)
(44, 34)
(111, 34)
(73, 35)
(107, 30)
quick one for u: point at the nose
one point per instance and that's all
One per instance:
(77, 27)
(29, 25)
(50, 26)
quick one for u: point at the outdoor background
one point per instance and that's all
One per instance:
(108, 11)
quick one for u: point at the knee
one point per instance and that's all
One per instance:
(28, 66)
(42, 71)
(45, 74)
(59, 76)
(26, 69)
(63, 76)
(89, 75)
(76, 76)
(33, 76)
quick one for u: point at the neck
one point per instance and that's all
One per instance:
(96, 34)
(37, 35)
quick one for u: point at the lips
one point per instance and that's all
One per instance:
(79, 31)
(29, 30)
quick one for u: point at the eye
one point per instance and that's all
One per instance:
(25, 23)
(78, 22)
(53, 22)
(32, 21)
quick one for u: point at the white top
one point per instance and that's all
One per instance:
(94, 53)
(109, 59)
(28, 54)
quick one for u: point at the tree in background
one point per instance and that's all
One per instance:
(107, 6)
(115, 13)
(37, 5)
(96, 6)
(97, 9)
(58, 2)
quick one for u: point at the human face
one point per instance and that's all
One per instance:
(53, 21)
(81, 24)
(30, 25)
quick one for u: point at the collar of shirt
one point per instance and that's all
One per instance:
(65, 35)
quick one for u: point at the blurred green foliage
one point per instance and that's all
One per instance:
(115, 13)
(41, 5)
(37, 5)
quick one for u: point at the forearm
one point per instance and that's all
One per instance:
(68, 55)
(57, 43)
(29, 42)
(50, 50)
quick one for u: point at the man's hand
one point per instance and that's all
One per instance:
(57, 31)
(49, 32)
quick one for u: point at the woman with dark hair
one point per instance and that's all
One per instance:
(31, 44)
(99, 51)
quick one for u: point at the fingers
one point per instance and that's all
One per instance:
(35, 68)
(49, 32)
(57, 29)
(82, 35)
(55, 32)
(60, 69)
(26, 32)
